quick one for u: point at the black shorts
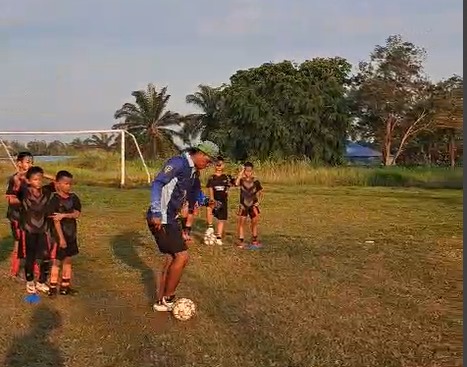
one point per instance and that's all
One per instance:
(222, 212)
(70, 250)
(250, 211)
(169, 238)
(37, 245)
(15, 230)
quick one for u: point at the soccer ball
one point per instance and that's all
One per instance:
(210, 240)
(210, 237)
(184, 309)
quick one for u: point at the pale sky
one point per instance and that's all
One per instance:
(70, 64)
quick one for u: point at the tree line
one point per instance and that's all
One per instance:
(307, 110)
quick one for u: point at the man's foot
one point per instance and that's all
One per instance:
(31, 287)
(219, 241)
(42, 287)
(67, 291)
(164, 305)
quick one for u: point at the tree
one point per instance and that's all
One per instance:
(392, 97)
(102, 141)
(209, 101)
(449, 112)
(56, 147)
(149, 120)
(279, 110)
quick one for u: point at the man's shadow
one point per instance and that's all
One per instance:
(34, 348)
(124, 247)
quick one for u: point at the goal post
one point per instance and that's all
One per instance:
(123, 134)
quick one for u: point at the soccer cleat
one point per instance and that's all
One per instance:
(164, 305)
(53, 292)
(67, 291)
(31, 287)
(42, 287)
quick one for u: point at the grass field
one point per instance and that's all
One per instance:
(316, 295)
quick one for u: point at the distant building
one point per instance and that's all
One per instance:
(358, 154)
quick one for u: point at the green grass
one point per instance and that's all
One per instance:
(316, 295)
(97, 168)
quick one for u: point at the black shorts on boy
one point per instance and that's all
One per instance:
(220, 186)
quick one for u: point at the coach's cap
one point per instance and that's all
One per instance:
(209, 148)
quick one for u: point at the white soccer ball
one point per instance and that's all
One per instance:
(184, 309)
(210, 240)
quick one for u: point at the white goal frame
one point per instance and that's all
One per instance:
(122, 133)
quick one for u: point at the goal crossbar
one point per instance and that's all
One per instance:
(122, 133)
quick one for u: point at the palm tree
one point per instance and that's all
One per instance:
(102, 141)
(209, 101)
(149, 121)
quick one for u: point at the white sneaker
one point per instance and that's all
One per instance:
(219, 242)
(31, 287)
(42, 287)
(164, 305)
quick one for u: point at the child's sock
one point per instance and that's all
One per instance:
(37, 270)
(15, 264)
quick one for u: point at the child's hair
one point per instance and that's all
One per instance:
(34, 170)
(22, 155)
(220, 159)
(63, 174)
(248, 164)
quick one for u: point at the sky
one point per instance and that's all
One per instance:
(68, 65)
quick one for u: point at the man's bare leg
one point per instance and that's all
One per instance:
(163, 276)
(174, 273)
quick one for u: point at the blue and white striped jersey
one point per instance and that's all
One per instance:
(171, 187)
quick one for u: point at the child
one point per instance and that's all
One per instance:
(66, 208)
(218, 186)
(34, 226)
(17, 183)
(251, 193)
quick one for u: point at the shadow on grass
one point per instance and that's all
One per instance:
(124, 246)
(248, 329)
(34, 348)
(6, 247)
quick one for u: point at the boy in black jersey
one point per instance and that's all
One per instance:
(251, 192)
(17, 183)
(35, 226)
(218, 186)
(66, 208)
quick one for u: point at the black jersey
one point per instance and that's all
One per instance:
(66, 205)
(15, 186)
(35, 208)
(249, 189)
(220, 185)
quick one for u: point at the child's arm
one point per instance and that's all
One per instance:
(76, 208)
(58, 229)
(239, 177)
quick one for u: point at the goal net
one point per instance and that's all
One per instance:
(93, 156)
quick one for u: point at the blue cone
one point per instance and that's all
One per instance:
(32, 298)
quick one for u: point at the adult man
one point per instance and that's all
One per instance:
(168, 194)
